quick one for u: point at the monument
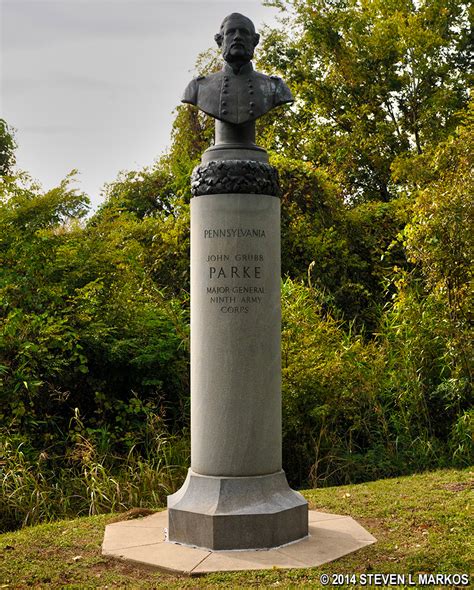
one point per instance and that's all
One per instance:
(236, 500)
(236, 495)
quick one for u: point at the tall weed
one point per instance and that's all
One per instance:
(36, 487)
(357, 409)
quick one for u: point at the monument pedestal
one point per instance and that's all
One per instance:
(236, 500)
(236, 495)
(222, 513)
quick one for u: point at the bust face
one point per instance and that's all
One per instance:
(238, 40)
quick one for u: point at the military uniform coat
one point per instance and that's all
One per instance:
(237, 98)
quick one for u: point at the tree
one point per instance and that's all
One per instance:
(374, 80)
(439, 238)
(7, 149)
(82, 322)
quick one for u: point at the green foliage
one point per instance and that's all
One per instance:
(439, 241)
(7, 149)
(346, 252)
(431, 392)
(355, 409)
(192, 133)
(145, 193)
(89, 479)
(334, 425)
(373, 81)
(83, 322)
(378, 86)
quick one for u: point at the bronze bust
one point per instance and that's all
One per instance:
(237, 94)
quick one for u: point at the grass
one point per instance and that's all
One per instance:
(84, 481)
(423, 523)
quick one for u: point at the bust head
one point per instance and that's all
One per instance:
(237, 39)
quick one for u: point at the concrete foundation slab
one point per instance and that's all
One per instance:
(144, 542)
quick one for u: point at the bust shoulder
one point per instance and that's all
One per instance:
(191, 92)
(282, 93)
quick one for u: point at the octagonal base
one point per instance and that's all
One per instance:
(143, 542)
(227, 513)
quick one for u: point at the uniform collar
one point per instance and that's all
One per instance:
(245, 69)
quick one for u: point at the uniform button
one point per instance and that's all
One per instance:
(250, 91)
(225, 84)
(252, 104)
(250, 112)
(224, 111)
(225, 78)
(223, 103)
(225, 92)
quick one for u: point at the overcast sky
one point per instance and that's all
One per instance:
(92, 84)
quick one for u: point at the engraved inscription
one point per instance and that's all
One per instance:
(234, 232)
(229, 275)
(235, 272)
